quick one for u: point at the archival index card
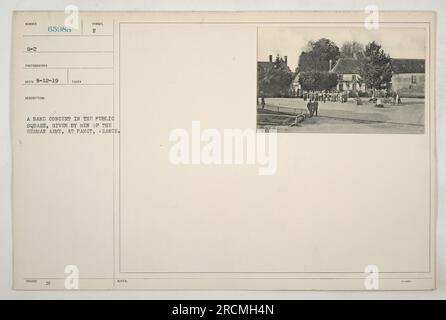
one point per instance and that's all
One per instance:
(205, 150)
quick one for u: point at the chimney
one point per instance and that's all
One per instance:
(330, 64)
(286, 59)
(270, 58)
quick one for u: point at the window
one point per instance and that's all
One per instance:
(414, 79)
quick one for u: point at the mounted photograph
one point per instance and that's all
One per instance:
(341, 79)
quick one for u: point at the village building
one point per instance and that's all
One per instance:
(295, 86)
(266, 65)
(408, 76)
(348, 71)
(263, 67)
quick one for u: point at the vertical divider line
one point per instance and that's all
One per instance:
(114, 173)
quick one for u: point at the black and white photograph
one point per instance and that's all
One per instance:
(341, 80)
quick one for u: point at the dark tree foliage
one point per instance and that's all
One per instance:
(352, 49)
(375, 67)
(274, 79)
(317, 80)
(317, 56)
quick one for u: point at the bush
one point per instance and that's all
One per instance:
(317, 80)
(363, 94)
(352, 94)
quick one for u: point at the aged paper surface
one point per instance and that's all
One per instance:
(214, 151)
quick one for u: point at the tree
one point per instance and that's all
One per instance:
(274, 79)
(317, 56)
(352, 49)
(375, 67)
(317, 80)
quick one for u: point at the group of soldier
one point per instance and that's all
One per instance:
(341, 96)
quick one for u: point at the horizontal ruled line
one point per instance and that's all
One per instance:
(67, 35)
(40, 68)
(67, 51)
(67, 84)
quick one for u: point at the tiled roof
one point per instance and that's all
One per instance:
(408, 65)
(346, 66)
(351, 66)
(264, 63)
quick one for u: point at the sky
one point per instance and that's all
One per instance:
(290, 41)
